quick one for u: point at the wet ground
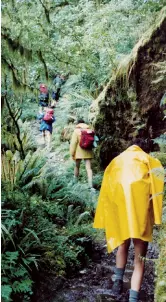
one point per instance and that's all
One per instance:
(93, 284)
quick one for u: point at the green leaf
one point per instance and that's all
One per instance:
(22, 287)
(8, 234)
(6, 291)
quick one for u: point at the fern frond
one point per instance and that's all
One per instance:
(69, 211)
(158, 172)
(5, 230)
(23, 286)
(20, 272)
(6, 291)
(82, 216)
(30, 232)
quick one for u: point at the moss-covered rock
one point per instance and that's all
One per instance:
(130, 104)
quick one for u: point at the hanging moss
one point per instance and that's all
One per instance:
(40, 56)
(12, 44)
(21, 49)
(28, 54)
(16, 82)
(132, 97)
(15, 45)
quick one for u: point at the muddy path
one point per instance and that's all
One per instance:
(92, 283)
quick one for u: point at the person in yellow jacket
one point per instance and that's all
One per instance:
(130, 203)
(77, 153)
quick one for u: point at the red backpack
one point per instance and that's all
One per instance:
(87, 139)
(43, 89)
(48, 117)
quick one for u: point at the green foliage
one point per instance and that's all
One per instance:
(162, 142)
(57, 227)
(15, 274)
(14, 131)
(6, 291)
(161, 156)
(77, 38)
(160, 288)
(28, 110)
(19, 172)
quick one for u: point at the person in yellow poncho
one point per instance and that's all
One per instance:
(130, 203)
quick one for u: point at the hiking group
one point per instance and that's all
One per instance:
(83, 139)
(46, 112)
(130, 200)
(129, 204)
(44, 92)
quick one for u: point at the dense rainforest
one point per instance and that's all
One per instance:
(112, 55)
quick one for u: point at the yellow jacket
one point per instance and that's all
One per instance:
(75, 150)
(125, 209)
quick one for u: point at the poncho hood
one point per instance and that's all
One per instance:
(134, 148)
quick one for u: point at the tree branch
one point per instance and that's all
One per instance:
(46, 11)
(22, 154)
(66, 62)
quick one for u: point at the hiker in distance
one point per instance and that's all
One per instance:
(130, 203)
(81, 148)
(43, 96)
(47, 119)
(57, 83)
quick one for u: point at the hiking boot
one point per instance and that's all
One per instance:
(117, 287)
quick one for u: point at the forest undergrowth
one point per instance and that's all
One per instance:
(46, 217)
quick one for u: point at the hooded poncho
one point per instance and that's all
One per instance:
(130, 200)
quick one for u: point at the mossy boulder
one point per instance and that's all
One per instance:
(130, 104)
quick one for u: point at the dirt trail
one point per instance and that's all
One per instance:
(93, 283)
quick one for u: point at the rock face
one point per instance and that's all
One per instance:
(130, 105)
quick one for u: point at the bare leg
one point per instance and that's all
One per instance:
(122, 253)
(40, 109)
(140, 248)
(121, 260)
(89, 171)
(53, 103)
(44, 137)
(77, 167)
(49, 136)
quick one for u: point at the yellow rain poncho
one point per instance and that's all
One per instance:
(130, 201)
